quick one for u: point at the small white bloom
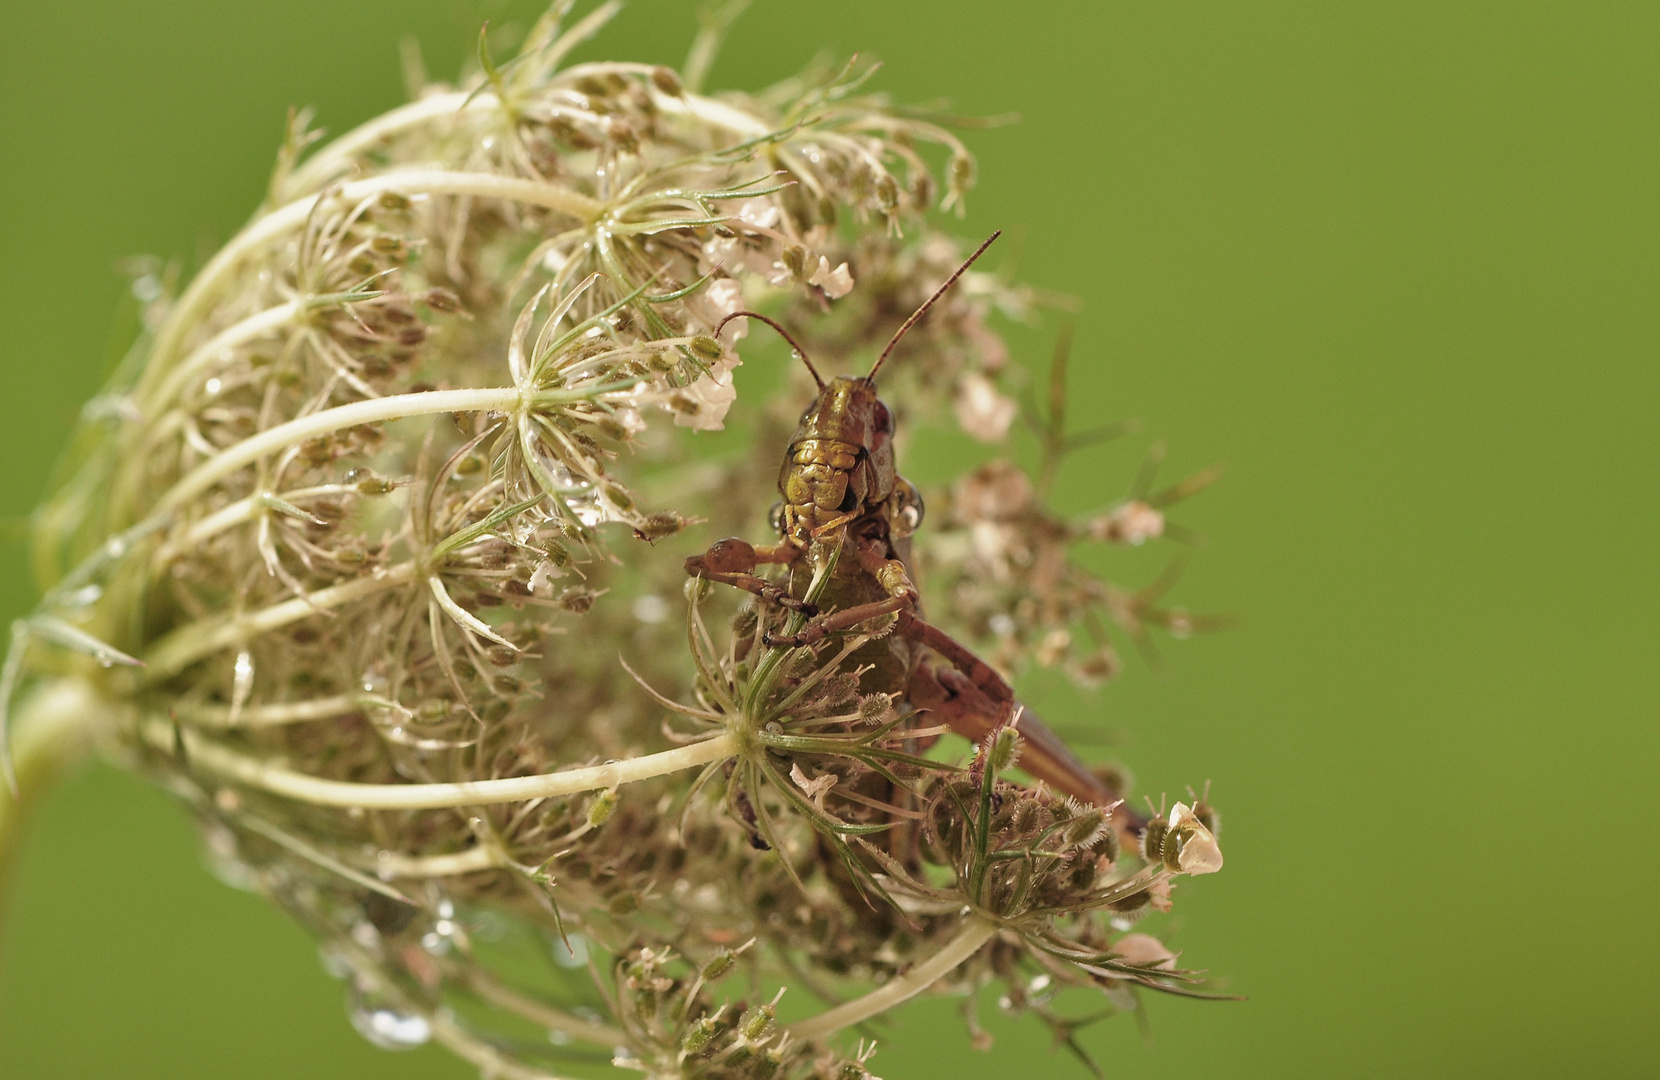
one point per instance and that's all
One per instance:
(996, 491)
(725, 295)
(1053, 648)
(991, 543)
(1201, 854)
(982, 411)
(816, 787)
(541, 579)
(1133, 523)
(709, 397)
(734, 254)
(1159, 895)
(760, 212)
(836, 283)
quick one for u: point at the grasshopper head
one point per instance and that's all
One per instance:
(841, 458)
(847, 410)
(840, 463)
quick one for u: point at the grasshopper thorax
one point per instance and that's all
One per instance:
(840, 464)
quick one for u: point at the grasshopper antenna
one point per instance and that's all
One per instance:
(783, 333)
(917, 315)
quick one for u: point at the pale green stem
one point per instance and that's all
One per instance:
(481, 1055)
(254, 772)
(276, 714)
(184, 646)
(187, 312)
(51, 730)
(490, 1061)
(229, 516)
(331, 160)
(237, 513)
(976, 931)
(230, 337)
(392, 864)
(374, 410)
(545, 1015)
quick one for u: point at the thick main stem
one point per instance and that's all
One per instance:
(976, 931)
(50, 732)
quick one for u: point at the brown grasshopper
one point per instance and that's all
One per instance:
(843, 496)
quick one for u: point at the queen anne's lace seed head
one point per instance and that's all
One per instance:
(378, 503)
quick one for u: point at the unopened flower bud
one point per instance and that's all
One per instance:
(720, 966)
(667, 80)
(757, 1022)
(1005, 750)
(699, 1036)
(601, 807)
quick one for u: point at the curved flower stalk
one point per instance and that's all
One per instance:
(365, 553)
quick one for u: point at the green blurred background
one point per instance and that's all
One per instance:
(1394, 263)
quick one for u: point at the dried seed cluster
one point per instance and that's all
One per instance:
(354, 541)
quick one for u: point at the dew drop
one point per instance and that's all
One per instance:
(559, 476)
(334, 962)
(387, 1027)
(242, 675)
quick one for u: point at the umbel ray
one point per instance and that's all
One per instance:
(847, 517)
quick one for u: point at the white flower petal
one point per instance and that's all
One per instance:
(836, 283)
(712, 394)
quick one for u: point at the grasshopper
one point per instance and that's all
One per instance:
(846, 508)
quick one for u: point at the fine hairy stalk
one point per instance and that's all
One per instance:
(375, 553)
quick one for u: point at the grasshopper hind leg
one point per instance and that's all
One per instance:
(973, 700)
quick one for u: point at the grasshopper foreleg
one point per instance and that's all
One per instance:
(733, 561)
(873, 560)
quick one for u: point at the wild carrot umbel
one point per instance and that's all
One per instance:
(369, 554)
